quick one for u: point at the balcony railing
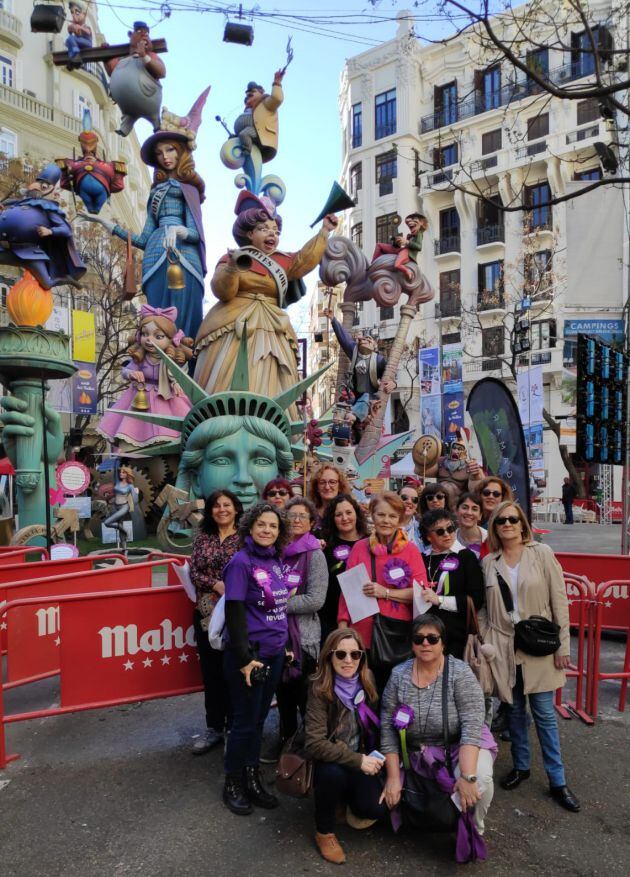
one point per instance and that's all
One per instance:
(484, 164)
(39, 109)
(11, 23)
(448, 244)
(442, 176)
(490, 234)
(583, 134)
(490, 300)
(531, 149)
(492, 364)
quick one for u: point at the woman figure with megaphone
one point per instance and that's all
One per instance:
(254, 285)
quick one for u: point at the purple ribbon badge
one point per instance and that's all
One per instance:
(341, 552)
(397, 573)
(264, 580)
(403, 717)
(449, 564)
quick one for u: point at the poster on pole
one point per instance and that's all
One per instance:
(453, 368)
(84, 389)
(529, 387)
(83, 336)
(431, 416)
(535, 450)
(429, 367)
(452, 415)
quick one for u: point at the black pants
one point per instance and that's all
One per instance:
(335, 784)
(215, 689)
(292, 696)
(568, 511)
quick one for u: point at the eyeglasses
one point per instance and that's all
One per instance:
(432, 638)
(436, 496)
(355, 655)
(324, 483)
(408, 498)
(506, 519)
(299, 517)
(442, 531)
(280, 492)
(495, 493)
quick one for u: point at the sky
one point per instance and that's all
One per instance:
(309, 154)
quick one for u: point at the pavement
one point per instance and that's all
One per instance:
(116, 792)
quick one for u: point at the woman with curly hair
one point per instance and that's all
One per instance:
(256, 596)
(326, 483)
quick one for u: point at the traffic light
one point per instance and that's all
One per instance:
(602, 379)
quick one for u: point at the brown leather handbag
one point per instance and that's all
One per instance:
(294, 774)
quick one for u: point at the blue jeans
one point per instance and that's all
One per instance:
(334, 784)
(544, 715)
(249, 711)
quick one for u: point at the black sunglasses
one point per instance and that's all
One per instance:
(432, 638)
(280, 492)
(495, 493)
(436, 496)
(414, 499)
(506, 519)
(355, 655)
(442, 531)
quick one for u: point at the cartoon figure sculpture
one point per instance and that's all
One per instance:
(35, 234)
(125, 498)
(79, 33)
(254, 285)
(91, 178)
(455, 472)
(135, 81)
(151, 388)
(174, 262)
(258, 123)
(405, 250)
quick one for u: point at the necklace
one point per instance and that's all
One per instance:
(418, 690)
(433, 570)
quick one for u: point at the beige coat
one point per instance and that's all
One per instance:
(266, 122)
(541, 591)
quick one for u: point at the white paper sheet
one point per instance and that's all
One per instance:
(420, 605)
(351, 583)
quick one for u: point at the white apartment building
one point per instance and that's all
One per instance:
(416, 119)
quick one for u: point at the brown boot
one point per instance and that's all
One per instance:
(330, 848)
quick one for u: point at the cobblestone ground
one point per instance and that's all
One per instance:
(116, 792)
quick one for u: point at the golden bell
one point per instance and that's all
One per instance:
(174, 273)
(141, 401)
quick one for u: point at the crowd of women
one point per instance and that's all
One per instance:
(389, 712)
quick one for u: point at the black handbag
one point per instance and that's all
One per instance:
(535, 635)
(391, 638)
(425, 807)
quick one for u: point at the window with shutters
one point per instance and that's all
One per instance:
(543, 334)
(386, 227)
(587, 111)
(538, 269)
(450, 294)
(445, 156)
(490, 285)
(356, 179)
(449, 241)
(538, 126)
(490, 95)
(491, 141)
(584, 49)
(385, 114)
(445, 103)
(386, 171)
(7, 71)
(493, 343)
(356, 234)
(537, 60)
(357, 126)
(538, 210)
(386, 313)
(8, 143)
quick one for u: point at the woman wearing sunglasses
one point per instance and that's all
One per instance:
(277, 492)
(341, 731)
(412, 726)
(433, 497)
(393, 564)
(454, 575)
(307, 578)
(327, 482)
(343, 525)
(410, 496)
(523, 578)
(492, 491)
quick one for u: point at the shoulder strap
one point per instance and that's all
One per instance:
(447, 748)
(373, 563)
(506, 593)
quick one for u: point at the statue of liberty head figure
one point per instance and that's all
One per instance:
(236, 439)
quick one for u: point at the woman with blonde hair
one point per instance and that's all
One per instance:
(341, 730)
(326, 483)
(524, 581)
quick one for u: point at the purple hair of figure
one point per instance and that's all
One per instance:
(247, 221)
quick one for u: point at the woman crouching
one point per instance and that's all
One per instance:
(341, 730)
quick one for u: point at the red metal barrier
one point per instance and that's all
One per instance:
(580, 592)
(16, 553)
(34, 634)
(613, 613)
(117, 647)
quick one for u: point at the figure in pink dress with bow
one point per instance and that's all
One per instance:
(151, 388)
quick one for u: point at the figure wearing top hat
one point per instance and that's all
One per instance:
(258, 123)
(173, 241)
(91, 178)
(79, 33)
(254, 285)
(35, 234)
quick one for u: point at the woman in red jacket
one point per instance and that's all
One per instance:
(393, 562)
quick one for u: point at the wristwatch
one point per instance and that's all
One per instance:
(469, 777)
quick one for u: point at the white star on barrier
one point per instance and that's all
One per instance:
(607, 604)
(58, 641)
(128, 665)
(166, 660)
(183, 657)
(147, 662)
(3, 626)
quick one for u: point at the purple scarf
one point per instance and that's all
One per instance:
(296, 560)
(349, 692)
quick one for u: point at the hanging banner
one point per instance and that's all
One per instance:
(500, 436)
(83, 336)
(59, 320)
(429, 368)
(535, 450)
(529, 390)
(452, 368)
(84, 389)
(431, 416)
(452, 415)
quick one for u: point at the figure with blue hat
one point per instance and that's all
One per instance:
(35, 234)
(79, 33)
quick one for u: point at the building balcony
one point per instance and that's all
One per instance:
(445, 175)
(483, 165)
(473, 367)
(30, 105)
(447, 244)
(11, 29)
(490, 300)
(580, 134)
(490, 234)
(529, 150)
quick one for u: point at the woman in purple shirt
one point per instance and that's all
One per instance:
(255, 615)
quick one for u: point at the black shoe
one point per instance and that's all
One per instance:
(256, 792)
(206, 741)
(514, 779)
(235, 797)
(565, 797)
